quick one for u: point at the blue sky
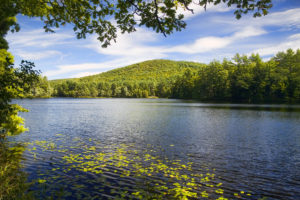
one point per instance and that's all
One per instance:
(214, 34)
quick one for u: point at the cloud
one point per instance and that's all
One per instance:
(82, 74)
(201, 45)
(197, 9)
(37, 38)
(133, 44)
(249, 31)
(292, 42)
(36, 55)
(224, 36)
(288, 18)
(63, 69)
(133, 48)
(207, 44)
(137, 44)
(285, 19)
(89, 68)
(36, 44)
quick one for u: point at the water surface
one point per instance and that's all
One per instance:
(248, 151)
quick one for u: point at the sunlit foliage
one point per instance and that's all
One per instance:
(149, 78)
(242, 79)
(246, 79)
(87, 17)
(13, 84)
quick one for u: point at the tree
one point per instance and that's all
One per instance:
(105, 18)
(13, 84)
(95, 16)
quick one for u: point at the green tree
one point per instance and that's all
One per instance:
(94, 16)
(289, 66)
(13, 84)
(40, 89)
(184, 86)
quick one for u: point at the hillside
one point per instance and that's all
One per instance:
(137, 80)
(151, 70)
(243, 79)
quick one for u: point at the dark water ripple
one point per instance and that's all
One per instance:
(251, 148)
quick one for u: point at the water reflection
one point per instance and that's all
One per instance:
(13, 180)
(256, 151)
(121, 171)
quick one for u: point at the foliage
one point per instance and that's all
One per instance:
(13, 180)
(105, 18)
(247, 79)
(243, 79)
(40, 89)
(87, 17)
(13, 84)
(149, 78)
(94, 16)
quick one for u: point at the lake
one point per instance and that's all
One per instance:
(161, 148)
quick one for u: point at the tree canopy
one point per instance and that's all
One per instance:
(242, 79)
(106, 17)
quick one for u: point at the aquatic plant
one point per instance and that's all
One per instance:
(89, 169)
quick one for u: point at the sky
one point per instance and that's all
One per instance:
(211, 34)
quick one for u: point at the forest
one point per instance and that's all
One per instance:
(241, 79)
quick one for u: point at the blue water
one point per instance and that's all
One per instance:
(253, 148)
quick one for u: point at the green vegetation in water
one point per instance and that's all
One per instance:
(89, 170)
(242, 79)
(13, 181)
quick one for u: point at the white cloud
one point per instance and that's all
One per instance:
(36, 44)
(37, 38)
(144, 44)
(136, 44)
(82, 74)
(63, 69)
(292, 42)
(201, 45)
(207, 44)
(288, 18)
(295, 36)
(133, 44)
(285, 19)
(249, 31)
(133, 48)
(36, 55)
(87, 67)
(197, 9)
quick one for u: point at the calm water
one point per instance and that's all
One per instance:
(245, 149)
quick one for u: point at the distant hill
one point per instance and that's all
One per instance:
(242, 79)
(151, 70)
(137, 80)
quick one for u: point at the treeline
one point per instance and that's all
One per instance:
(242, 79)
(139, 89)
(40, 89)
(149, 78)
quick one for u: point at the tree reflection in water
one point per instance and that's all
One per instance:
(13, 180)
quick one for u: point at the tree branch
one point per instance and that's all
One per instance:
(157, 19)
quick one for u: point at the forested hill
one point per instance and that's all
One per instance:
(138, 80)
(243, 79)
(151, 70)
